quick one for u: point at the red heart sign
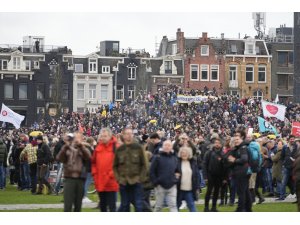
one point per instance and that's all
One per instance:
(272, 109)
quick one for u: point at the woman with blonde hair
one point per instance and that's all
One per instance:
(188, 185)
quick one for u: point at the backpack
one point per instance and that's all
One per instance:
(254, 157)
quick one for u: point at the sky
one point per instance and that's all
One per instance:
(82, 32)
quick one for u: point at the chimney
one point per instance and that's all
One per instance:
(222, 35)
(180, 41)
(204, 36)
(164, 45)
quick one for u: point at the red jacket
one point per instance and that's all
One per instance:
(102, 166)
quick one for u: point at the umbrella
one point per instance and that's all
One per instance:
(153, 121)
(35, 133)
(177, 127)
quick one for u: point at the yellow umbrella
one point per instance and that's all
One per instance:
(177, 127)
(35, 133)
(257, 135)
(272, 136)
(153, 121)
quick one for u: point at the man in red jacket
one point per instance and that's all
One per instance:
(102, 170)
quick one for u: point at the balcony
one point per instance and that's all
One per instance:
(233, 84)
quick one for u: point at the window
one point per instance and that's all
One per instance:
(168, 67)
(4, 64)
(80, 110)
(174, 49)
(78, 68)
(105, 69)
(80, 91)
(92, 65)
(53, 70)
(233, 48)
(92, 91)
(23, 91)
(115, 47)
(131, 90)
(285, 59)
(40, 91)
(104, 92)
(214, 73)
(283, 81)
(8, 91)
(131, 73)
(249, 74)
(234, 93)
(262, 74)
(120, 92)
(258, 94)
(16, 63)
(249, 49)
(204, 72)
(36, 64)
(65, 93)
(232, 73)
(204, 50)
(194, 72)
(27, 65)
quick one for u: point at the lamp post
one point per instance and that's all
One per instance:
(115, 69)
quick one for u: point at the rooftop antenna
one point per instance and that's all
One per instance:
(259, 23)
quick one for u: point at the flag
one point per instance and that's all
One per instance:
(265, 126)
(273, 110)
(7, 115)
(276, 99)
(296, 129)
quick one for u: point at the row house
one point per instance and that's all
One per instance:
(93, 81)
(296, 93)
(248, 68)
(36, 84)
(164, 71)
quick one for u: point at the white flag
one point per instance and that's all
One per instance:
(7, 115)
(273, 110)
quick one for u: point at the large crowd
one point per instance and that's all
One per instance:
(154, 143)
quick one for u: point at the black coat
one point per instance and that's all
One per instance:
(195, 178)
(240, 166)
(43, 154)
(213, 164)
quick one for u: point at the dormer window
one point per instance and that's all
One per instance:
(250, 47)
(16, 63)
(92, 65)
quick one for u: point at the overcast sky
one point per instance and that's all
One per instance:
(82, 32)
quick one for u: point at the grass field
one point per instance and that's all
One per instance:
(12, 196)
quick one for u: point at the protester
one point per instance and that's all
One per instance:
(73, 157)
(130, 171)
(188, 185)
(164, 174)
(3, 159)
(277, 169)
(102, 170)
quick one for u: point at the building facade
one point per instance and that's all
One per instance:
(29, 82)
(248, 68)
(297, 57)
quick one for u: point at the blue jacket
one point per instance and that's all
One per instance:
(163, 169)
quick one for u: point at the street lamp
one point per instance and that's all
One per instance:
(115, 69)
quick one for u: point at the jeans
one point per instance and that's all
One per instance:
(33, 176)
(58, 177)
(232, 190)
(73, 194)
(108, 200)
(88, 182)
(25, 175)
(42, 171)
(131, 193)
(286, 179)
(268, 183)
(168, 194)
(188, 197)
(2, 176)
(146, 200)
(245, 202)
(202, 181)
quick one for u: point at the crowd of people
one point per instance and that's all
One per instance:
(155, 143)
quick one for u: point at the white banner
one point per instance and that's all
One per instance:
(273, 110)
(190, 99)
(7, 115)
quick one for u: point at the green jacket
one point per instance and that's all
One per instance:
(277, 166)
(130, 165)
